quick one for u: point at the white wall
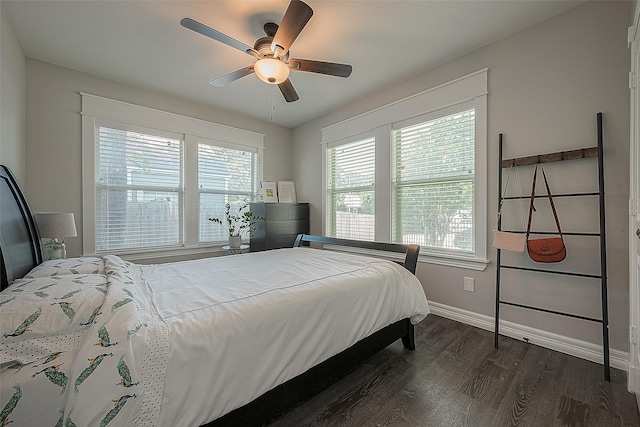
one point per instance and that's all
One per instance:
(54, 167)
(546, 85)
(12, 99)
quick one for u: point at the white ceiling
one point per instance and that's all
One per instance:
(142, 43)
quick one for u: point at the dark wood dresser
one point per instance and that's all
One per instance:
(284, 221)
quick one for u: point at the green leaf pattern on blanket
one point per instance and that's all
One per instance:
(92, 318)
(24, 327)
(10, 406)
(66, 309)
(125, 375)
(69, 294)
(119, 403)
(103, 338)
(6, 301)
(93, 364)
(61, 421)
(49, 359)
(55, 375)
(67, 266)
(134, 330)
(23, 283)
(120, 304)
(17, 366)
(119, 289)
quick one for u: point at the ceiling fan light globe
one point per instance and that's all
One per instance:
(271, 71)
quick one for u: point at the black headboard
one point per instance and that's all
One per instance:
(411, 251)
(20, 249)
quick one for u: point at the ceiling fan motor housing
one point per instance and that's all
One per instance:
(263, 44)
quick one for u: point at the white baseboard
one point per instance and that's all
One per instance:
(582, 349)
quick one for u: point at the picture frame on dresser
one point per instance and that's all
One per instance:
(287, 192)
(269, 192)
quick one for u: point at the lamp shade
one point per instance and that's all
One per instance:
(271, 70)
(56, 224)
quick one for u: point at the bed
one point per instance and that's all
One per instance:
(234, 340)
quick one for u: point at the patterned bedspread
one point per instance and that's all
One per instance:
(103, 342)
(72, 332)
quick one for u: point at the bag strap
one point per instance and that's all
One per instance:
(553, 206)
(506, 186)
(533, 194)
(504, 192)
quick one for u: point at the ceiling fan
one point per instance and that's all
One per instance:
(273, 64)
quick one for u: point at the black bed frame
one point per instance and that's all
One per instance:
(20, 248)
(20, 251)
(297, 390)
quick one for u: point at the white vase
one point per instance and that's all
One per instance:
(235, 242)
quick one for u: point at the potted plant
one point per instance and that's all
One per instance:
(238, 221)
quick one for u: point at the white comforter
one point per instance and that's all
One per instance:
(205, 337)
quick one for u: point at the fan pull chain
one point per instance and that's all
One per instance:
(272, 106)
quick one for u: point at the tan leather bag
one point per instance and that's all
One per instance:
(508, 241)
(550, 249)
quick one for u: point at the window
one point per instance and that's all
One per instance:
(350, 207)
(433, 180)
(427, 156)
(224, 175)
(151, 179)
(138, 187)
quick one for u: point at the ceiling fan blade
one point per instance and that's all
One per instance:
(198, 27)
(330, 68)
(295, 18)
(289, 93)
(232, 77)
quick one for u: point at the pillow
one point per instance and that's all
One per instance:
(45, 309)
(56, 267)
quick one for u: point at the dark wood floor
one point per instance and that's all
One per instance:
(456, 378)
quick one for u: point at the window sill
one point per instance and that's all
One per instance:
(460, 261)
(213, 249)
(449, 260)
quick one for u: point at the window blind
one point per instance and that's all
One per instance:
(225, 175)
(433, 182)
(139, 189)
(350, 192)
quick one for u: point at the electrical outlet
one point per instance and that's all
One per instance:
(469, 284)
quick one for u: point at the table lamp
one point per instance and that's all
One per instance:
(55, 226)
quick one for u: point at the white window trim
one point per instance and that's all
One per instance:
(470, 88)
(99, 110)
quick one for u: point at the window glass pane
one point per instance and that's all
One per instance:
(136, 219)
(138, 190)
(225, 169)
(353, 215)
(350, 191)
(433, 188)
(224, 175)
(436, 215)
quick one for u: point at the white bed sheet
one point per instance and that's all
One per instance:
(235, 336)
